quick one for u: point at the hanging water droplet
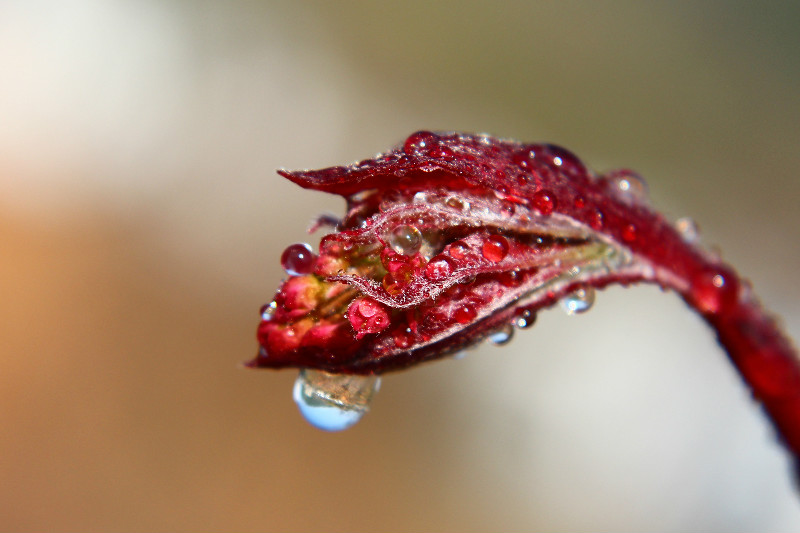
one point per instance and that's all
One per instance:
(298, 259)
(461, 354)
(405, 239)
(361, 195)
(502, 336)
(579, 301)
(688, 229)
(525, 319)
(333, 402)
(268, 310)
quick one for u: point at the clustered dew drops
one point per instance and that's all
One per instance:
(336, 401)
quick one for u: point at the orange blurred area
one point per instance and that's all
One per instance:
(141, 223)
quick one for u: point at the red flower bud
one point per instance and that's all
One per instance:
(452, 238)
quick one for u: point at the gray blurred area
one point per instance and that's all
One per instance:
(141, 223)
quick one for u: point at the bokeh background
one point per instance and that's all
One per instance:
(141, 223)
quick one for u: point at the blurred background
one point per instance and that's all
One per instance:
(141, 223)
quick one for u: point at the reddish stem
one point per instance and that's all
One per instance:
(763, 355)
(766, 360)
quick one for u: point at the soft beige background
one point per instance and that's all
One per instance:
(141, 223)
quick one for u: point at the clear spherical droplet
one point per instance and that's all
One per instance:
(502, 336)
(298, 259)
(688, 229)
(579, 301)
(333, 402)
(525, 319)
(405, 239)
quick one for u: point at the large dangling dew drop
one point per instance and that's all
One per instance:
(333, 402)
(405, 240)
(578, 301)
(502, 336)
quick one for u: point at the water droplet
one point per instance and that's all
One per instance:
(565, 160)
(596, 220)
(509, 278)
(465, 314)
(495, 248)
(441, 152)
(524, 156)
(298, 259)
(688, 229)
(507, 210)
(268, 310)
(629, 233)
(403, 338)
(438, 269)
(502, 336)
(420, 143)
(715, 290)
(405, 239)
(628, 184)
(579, 202)
(333, 402)
(458, 250)
(525, 319)
(579, 301)
(544, 201)
(423, 197)
(390, 199)
(361, 195)
(394, 282)
(457, 203)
